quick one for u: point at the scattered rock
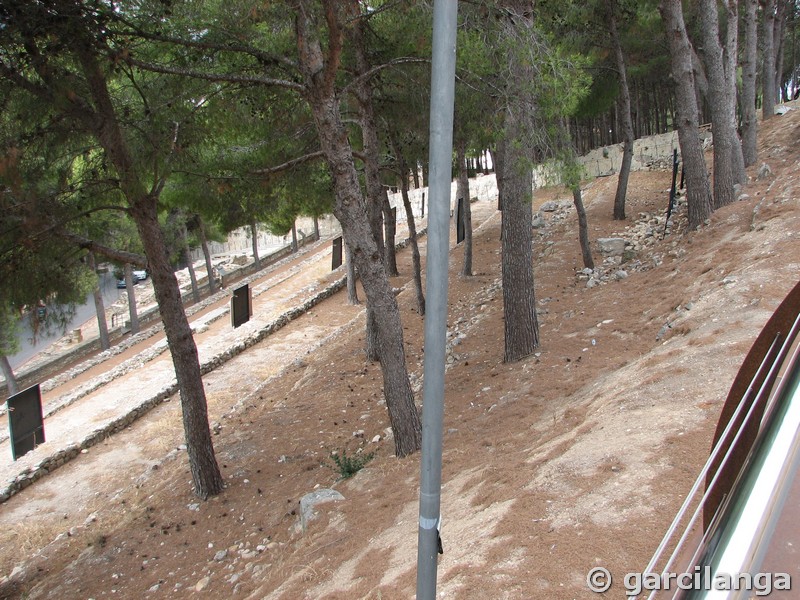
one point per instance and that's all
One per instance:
(310, 501)
(611, 246)
(550, 206)
(202, 584)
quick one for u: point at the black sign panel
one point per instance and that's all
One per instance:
(336, 256)
(241, 307)
(25, 421)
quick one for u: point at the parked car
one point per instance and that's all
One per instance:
(136, 279)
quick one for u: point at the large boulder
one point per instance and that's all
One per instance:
(611, 246)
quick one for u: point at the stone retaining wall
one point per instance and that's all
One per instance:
(61, 457)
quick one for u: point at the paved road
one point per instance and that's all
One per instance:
(84, 312)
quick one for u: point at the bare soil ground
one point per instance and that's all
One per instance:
(577, 457)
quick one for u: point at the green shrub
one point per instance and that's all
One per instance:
(347, 466)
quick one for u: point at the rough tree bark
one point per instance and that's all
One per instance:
(497, 163)
(8, 373)
(520, 325)
(412, 231)
(205, 471)
(132, 311)
(319, 73)
(768, 83)
(362, 91)
(390, 232)
(201, 233)
(99, 307)
(187, 258)
(583, 228)
(352, 290)
(177, 222)
(403, 168)
(295, 246)
(728, 162)
(778, 37)
(731, 63)
(625, 113)
(698, 189)
(254, 242)
(748, 95)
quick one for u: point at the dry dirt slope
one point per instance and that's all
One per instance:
(576, 457)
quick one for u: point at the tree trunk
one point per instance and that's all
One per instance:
(698, 190)
(132, 311)
(731, 64)
(212, 282)
(362, 91)
(521, 326)
(8, 373)
(254, 241)
(390, 231)
(143, 209)
(412, 232)
(583, 228)
(205, 471)
(187, 258)
(722, 102)
(497, 162)
(403, 168)
(748, 95)
(99, 307)
(319, 71)
(178, 219)
(625, 109)
(777, 36)
(352, 290)
(372, 346)
(462, 191)
(768, 83)
(700, 83)
(315, 220)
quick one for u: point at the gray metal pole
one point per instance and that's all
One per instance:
(443, 71)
